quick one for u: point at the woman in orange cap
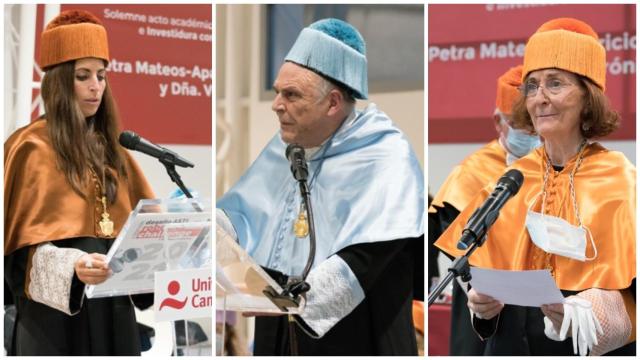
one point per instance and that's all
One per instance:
(68, 190)
(574, 214)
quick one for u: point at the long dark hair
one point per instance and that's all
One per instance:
(82, 144)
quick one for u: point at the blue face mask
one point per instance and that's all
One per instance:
(519, 143)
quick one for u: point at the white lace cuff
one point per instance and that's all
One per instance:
(51, 274)
(223, 221)
(550, 331)
(335, 292)
(609, 309)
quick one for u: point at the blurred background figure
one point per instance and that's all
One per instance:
(233, 342)
(418, 323)
(463, 184)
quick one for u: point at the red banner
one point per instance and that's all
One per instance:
(160, 70)
(470, 46)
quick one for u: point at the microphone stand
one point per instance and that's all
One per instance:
(306, 198)
(475, 232)
(175, 177)
(460, 267)
(296, 285)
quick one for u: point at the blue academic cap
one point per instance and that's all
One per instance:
(336, 50)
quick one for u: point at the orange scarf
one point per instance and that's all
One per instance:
(605, 187)
(40, 204)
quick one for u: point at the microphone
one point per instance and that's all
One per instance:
(295, 154)
(133, 141)
(480, 221)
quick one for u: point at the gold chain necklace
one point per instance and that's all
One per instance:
(106, 225)
(572, 189)
(547, 163)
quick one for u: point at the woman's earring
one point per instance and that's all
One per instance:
(585, 126)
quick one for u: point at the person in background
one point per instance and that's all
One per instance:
(476, 171)
(418, 322)
(233, 342)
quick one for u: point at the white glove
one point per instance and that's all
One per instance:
(578, 315)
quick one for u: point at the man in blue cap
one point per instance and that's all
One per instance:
(367, 191)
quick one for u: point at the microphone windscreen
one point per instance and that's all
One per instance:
(513, 180)
(129, 139)
(293, 148)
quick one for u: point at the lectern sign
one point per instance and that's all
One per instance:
(157, 236)
(183, 294)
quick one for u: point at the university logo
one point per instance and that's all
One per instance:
(173, 288)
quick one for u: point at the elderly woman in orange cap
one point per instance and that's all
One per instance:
(68, 190)
(574, 214)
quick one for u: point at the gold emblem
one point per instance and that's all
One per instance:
(106, 225)
(301, 225)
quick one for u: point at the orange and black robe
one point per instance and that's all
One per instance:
(605, 193)
(42, 210)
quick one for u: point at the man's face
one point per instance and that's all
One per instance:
(301, 106)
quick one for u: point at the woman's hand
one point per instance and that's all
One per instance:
(555, 313)
(484, 306)
(92, 269)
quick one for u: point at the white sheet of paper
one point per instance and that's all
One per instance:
(524, 288)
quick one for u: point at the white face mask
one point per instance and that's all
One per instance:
(557, 236)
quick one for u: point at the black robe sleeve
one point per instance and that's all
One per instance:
(15, 270)
(381, 324)
(103, 326)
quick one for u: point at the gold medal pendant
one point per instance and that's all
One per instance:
(106, 225)
(301, 226)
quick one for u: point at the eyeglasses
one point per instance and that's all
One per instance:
(553, 86)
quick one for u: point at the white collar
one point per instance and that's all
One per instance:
(309, 152)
